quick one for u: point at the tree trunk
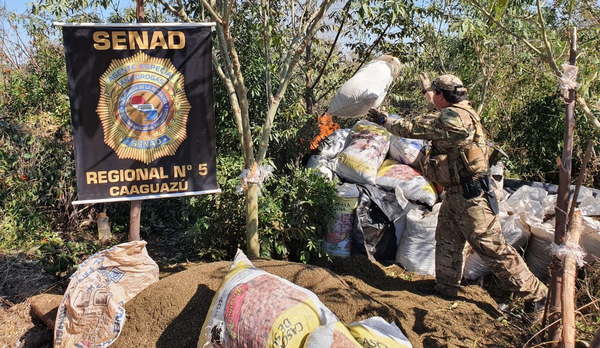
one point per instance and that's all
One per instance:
(596, 341)
(135, 213)
(569, 275)
(309, 97)
(562, 201)
(252, 242)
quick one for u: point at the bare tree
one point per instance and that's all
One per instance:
(305, 20)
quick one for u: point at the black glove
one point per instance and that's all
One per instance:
(377, 116)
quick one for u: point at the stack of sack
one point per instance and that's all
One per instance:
(379, 175)
(382, 189)
(527, 219)
(369, 161)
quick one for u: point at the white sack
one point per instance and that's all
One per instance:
(366, 89)
(323, 166)
(337, 240)
(590, 238)
(92, 311)
(406, 151)
(376, 332)
(590, 206)
(538, 255)
(416, 251)
(253, 308)
(392, 175)
(527, 200)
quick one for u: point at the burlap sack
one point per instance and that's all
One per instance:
(92, 311)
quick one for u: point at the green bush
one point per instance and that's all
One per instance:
(294, 212)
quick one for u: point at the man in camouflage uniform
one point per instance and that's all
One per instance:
(458, 161)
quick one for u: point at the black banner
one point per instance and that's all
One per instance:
(142, 110)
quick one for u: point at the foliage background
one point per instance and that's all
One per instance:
(521, 109)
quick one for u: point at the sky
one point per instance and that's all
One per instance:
(18, 6)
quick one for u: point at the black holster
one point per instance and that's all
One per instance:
(490, 195)
(474, 187)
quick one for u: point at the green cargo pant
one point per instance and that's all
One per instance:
(472, 220)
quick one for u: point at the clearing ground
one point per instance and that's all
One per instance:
(171, 312)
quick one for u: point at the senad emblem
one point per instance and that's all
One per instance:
(143, 107)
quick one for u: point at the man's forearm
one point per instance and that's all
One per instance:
(399, 126)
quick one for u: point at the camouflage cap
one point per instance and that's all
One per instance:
(447, 83)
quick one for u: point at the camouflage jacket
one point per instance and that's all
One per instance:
(450, 130)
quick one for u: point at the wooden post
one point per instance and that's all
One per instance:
(569, 275)
(139, 11)
(135, 210)
(596, 341)
(562, 201)
(586, 160)
(574, 229)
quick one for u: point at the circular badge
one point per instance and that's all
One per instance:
(143, 107)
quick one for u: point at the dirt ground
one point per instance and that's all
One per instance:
(171, 312)
(19, 280)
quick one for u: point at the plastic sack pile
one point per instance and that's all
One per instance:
(92, 312)
(253, 308)
(380, 185)
(527, 218)
(384, 170)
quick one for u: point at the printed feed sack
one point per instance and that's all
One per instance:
(392, 175)
(366, 149)
(337, 240)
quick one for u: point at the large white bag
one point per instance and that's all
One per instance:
(590, 206)
(538, 255)
(337, 240)
(366, 89)
(92, 311)
(376, 332)
(416, 251)
(392, 175)
(527, 200)
(590, 238)
(366, 148)
(334, 335)
(406, 151)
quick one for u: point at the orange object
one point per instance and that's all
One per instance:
(326, 127)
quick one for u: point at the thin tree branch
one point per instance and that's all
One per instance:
(265, 10)
(549, 55)
(180, 14)
(588, 112)
(505, 29)
(363, 61)
(235, 105)
(215, 16)
(335, 40)
(225, 53)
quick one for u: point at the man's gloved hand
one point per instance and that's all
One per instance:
(425, 82)
(426, 87)
(377, 116)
